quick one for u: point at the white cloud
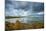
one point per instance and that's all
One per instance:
(40, 13)
(19, 12)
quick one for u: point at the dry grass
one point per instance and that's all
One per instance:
(20, 26)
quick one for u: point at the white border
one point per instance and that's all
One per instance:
(2, 19)
(44, 15)
(2, 15)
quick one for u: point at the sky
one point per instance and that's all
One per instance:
(24, 8)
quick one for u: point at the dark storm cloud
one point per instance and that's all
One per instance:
(8, 2)
(26, 5)
(19, 4)
(23, 8)
(38, 7)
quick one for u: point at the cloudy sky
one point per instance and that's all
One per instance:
(23, 8)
